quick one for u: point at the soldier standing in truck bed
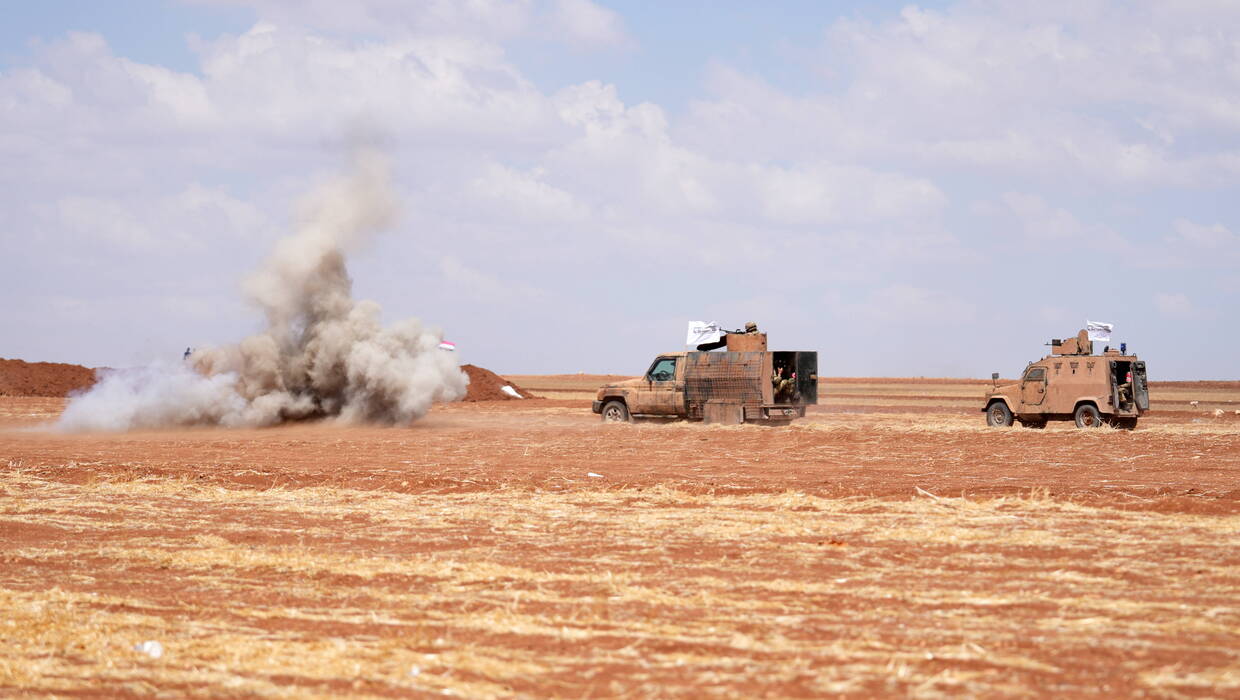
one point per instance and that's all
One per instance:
(784, 384)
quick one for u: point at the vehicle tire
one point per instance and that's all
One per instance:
(1087, 416)
(1034, 424)
(998, 415)
(1125, 423)
(615, 412)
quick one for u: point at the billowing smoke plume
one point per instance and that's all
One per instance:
(322, 355)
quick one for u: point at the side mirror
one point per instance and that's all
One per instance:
(994, 376)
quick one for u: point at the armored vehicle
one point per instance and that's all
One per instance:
(1072, 383)
(745, 384)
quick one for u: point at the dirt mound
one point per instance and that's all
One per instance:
(21, 378)
(485, 385)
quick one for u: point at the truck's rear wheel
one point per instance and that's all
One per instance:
(1087, 416)
(615, 412)
(998, 415)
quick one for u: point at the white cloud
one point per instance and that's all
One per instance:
(597, 108)
(1111, 93)
(1193, 246)
(587, 24)
(823, 194)
(631, 145)
(934, 135)
(594, 155)
(489, 18)
(1039, 221)
(581, 23)
(1216, 237)
(907, 304)
(195, 220)
(293, 82)
(280, 84)
(1175, 305)
(479, 286)
(526, 195)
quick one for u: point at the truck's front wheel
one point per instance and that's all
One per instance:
(998, 415)
(615, 412)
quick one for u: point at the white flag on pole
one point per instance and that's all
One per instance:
(703, 332)
(1099, 331)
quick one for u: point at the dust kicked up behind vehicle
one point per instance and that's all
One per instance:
(744, 384)
(1074, 384)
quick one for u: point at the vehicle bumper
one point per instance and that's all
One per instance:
(779, 412)
(597, 407)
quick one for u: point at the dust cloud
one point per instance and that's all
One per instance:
(322, 355)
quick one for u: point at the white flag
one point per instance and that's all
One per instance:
(703, 332)
(1099, 331)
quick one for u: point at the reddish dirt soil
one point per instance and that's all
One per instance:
(905, 380)
(20, 378)
(864, 452)
(485, 385)
(1033, 556)
(1228, 385)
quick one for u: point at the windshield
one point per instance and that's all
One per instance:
(663, 369)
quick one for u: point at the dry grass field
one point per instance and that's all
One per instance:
(888, 544)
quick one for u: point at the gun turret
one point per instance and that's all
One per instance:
(1080, 345)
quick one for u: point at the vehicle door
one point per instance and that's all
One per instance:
(807, 377)
(1033, 387)
(1140, 386)
(664, 392)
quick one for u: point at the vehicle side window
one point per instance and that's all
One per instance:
(664, 369)
(1036, 374)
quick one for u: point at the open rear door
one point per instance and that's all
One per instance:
(807, 377)
(1140, 386)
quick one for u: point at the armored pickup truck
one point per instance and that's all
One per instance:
(1072, 383)
(756, 386)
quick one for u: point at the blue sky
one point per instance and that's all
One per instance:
(143, 30)
(928, 189)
